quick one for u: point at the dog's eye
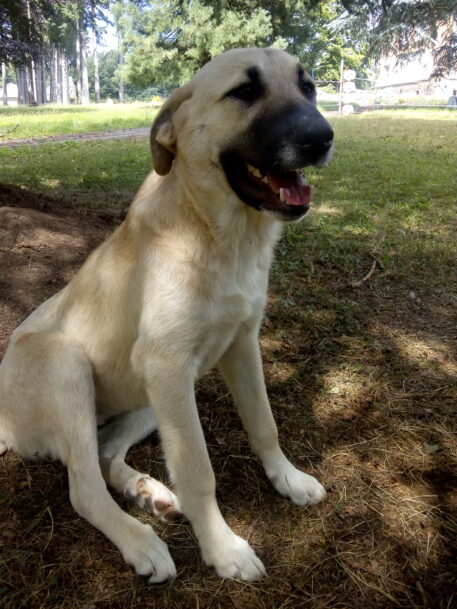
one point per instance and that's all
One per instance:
(307, 88)
(248, 93)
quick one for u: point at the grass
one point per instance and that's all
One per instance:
(83, 175)
(23, 122)
(363, 382)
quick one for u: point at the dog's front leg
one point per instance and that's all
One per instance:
(171, 393)
(241, 367)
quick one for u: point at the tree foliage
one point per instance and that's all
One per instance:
(168, 40)
(23, 27)
(109, 80)
(163, 42)
(404, 28)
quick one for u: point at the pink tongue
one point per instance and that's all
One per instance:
(295, 189)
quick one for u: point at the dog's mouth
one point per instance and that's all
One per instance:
(284, 193)
(290, 186)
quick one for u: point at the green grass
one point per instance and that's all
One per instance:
(90, 174)
(328, 106)
(389, 190)
(21, 122)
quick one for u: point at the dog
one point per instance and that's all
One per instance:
(178, 288)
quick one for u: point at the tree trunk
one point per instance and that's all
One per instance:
(96, 75)
(53, 84)
(59, 82)
(32, 83)
(20, 94)
(64, 70)
(25, 84)
(85, 98)
(67, 80)
(78, 61)
(38, 82)
(44, 93)
(30, 70)
(22, 85)
(4, 84)
(94, 45)
(121, 79)
(81, 59)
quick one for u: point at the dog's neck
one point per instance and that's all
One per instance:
(163, 202)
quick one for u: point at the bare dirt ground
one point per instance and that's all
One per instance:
(369, 408)
(116, 134)
(40, 251)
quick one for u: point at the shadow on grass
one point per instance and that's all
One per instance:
(377, 366)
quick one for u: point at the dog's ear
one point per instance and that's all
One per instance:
(163, 138)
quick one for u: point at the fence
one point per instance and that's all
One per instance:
(353, 100)
(353, 94)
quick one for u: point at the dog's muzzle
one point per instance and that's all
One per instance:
(296, 137)
(263, 170)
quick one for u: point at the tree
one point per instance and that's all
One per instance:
(31, 35)
(168, 40)
(108, 79)
(95, 37)
(4, 84)
(21, 27)
(404, 28)
(319, 48)
(46, 42)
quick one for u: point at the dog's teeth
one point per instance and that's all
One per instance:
(266, 180)
(254, 171)
(281, 194)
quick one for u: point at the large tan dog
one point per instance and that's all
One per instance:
(178, 288)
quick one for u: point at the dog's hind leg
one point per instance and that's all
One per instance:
(51, 386)
(114, 439)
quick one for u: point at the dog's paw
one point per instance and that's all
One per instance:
(233, 557)
(290, 482)
(148, 555)
(152, 495)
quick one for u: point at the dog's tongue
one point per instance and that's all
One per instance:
(296, 190)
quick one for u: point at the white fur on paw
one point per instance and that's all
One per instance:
(149, 555)
(295, 484)
(154, 496)
(233, 557)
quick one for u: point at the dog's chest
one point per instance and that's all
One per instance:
(235, 306)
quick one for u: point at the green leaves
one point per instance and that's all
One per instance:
(168, 41)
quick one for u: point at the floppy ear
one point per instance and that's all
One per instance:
(163, 137)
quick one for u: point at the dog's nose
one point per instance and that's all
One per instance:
(315, 138)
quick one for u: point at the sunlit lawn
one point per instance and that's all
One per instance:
(23, 121)
(390, 186)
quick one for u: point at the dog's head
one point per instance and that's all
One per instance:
(248, 121)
